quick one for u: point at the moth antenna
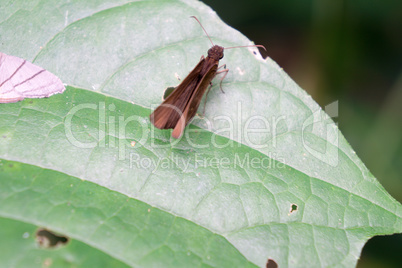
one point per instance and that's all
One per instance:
(203, 29)
(248, 46)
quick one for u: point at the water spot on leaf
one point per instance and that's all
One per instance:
(47, 262)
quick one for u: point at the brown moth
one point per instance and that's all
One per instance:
(20, 79)
(177, 110)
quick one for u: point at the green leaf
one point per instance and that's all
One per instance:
(264, 174)
(18, 249)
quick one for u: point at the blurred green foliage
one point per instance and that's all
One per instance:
(349, 51)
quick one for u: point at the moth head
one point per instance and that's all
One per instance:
(216, 52)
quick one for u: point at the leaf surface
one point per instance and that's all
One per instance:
(264, 174)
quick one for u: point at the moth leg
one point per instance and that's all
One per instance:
(224, 66)
(223, 77)
(210, 83)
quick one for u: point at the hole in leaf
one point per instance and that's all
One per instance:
(293, 208)
(263, 52)
(167, 92)
(49, 239)
(271, 264)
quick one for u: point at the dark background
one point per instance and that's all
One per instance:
(349, 51)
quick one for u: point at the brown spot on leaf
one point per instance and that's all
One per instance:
(49, 239)
(271, 264)
(293, 208)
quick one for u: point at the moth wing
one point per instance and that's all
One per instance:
(193, 104)
(170, 110)
(20, 79)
